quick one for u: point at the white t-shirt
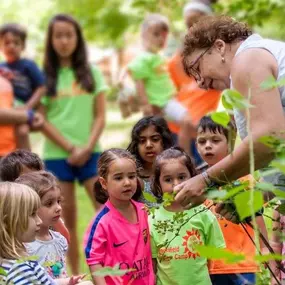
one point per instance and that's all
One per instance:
(51, 254)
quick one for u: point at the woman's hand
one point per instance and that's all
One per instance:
(191, 192)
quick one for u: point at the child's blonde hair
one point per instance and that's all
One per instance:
(40, 181)
(17, 203)
(157, 20)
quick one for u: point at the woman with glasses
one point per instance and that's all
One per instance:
(220, 52)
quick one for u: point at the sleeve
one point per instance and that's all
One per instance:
(214, 234)
(95, 244)
(139, 68)
(100, 83)
(152, 238)
(36, 75)
(28, 273)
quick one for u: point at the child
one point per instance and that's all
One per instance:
(119, 234)
(213, 143)
(20, 162)
(19, 224)
(49, 246)
(75, 110)
(150, 136)
(27, 80)
(177, 261)
(154, 86)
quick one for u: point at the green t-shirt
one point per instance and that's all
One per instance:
(152, 69)
(71, 111)
(180, 263)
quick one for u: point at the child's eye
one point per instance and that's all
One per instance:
(142, 141)
(216, 140)
(168, 180)
(118, 178)
(201, 142)
(182, 177)
(156, 139)
(132, 177)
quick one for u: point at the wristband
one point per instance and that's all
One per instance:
(207, 179)
(31, 115)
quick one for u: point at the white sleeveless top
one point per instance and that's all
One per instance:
(277, 49)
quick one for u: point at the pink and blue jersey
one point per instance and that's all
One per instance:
(112, 240)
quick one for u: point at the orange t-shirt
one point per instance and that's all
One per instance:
(7, 140)
(199, 102)
(237, 241)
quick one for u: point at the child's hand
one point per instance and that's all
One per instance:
(76, 279)
(6, 73)
(79, 156)
(38, 121)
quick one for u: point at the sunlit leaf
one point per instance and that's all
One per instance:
(269, 257)
(269, 83)
(110, 271)
(265, 186)
(279, 193)
(280, 164)
(149, 197)
(235, 190)
(221, 118)
(168, 198)
(216, 194)
(234, 99)
(281, 209)
(269, 141)
(211, 252)
(3, 272)
(242, 202)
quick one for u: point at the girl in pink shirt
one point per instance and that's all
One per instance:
(119, 234)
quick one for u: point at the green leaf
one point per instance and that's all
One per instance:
(279, 164)
(225, 103)
(3, 272)
(168, 198)
(149, 197)
(279, 193)
(110, 271)
(269, 83)
(211, 252)
(269, 257)
(265, 186)
(221, 118)
(281, 209)
(216, 194)
(235, 190)
(234, 99)
(243, 206)
(270, 141)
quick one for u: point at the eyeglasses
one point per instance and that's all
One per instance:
(191, 70)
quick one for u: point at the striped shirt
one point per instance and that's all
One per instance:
(24, 272)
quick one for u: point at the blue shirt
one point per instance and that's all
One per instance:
(27, 77)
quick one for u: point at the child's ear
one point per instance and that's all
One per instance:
(103, 183)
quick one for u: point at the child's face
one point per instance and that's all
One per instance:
(64, 39)
(155, 39)
(11, 46)
(121, 182)
(173, 172)
(33, 227)
(212, 147)
(50, 209)
(150, 144)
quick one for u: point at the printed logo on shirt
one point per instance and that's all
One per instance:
(119, 244)
(138, 269)
(185, 251)
(161, 69)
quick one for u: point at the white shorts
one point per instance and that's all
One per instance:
(175, 111)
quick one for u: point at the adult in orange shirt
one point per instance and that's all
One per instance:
(199, 102)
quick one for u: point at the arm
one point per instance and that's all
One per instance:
(262, 122)
(36, 98)
(98, 280)
(13, 116)
(99, 120)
